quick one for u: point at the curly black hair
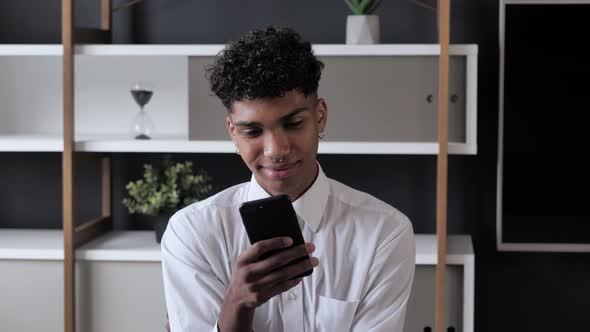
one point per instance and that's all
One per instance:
(265, 63)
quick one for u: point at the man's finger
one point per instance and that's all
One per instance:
(259, 248)
(286, 273)
(281, 259)
(284, 286)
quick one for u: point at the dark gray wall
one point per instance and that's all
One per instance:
(514, 291)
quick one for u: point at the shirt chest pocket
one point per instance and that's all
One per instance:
(334, 315)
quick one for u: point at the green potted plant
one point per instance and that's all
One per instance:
(363, 26)
(164, 190)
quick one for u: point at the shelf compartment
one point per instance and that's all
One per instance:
(189, 119)
(385, 98)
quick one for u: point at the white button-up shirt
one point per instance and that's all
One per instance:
(366, 265)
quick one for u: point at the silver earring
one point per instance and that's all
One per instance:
(237, 151)
(321, 135)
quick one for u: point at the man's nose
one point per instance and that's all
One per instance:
(276, 145)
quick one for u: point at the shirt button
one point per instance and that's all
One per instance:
(292, 296)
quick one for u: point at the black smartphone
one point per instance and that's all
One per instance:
(273, 217)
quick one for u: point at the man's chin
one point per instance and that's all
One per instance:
(279, 186)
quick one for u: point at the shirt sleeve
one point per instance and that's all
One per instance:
(383, 306)
(194, 294)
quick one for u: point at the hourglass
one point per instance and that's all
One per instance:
(142, 127)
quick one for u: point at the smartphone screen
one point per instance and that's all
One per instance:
(272, 217)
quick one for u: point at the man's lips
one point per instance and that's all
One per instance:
(280, 171)
(279, 167)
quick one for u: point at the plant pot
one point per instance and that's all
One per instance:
(362, 29)
(158, 223)
(160, 227)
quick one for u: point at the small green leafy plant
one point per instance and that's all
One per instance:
(363, 7)
(166, 189)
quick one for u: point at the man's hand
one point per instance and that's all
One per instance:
(255, 281)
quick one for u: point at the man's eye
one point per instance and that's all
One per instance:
(293, 124)
(252, 132)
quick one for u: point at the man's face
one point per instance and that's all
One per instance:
(264, 130)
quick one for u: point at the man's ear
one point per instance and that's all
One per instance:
(231, 130)
(322, 109)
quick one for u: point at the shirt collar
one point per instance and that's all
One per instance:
(310, 206)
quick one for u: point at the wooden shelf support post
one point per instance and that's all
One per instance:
(68, 165)
(76, 236)
(442, 162)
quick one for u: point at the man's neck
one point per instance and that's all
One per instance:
(317, 172)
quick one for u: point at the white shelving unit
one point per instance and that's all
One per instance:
(32, 122)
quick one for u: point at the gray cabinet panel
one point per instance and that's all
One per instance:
(32, 296)
(110, 296)
(370, 99)
(385, 98)
(120, 296)
(421, 306)
(206, 112)
(30, 95)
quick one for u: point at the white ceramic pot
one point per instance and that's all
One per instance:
(362, 29)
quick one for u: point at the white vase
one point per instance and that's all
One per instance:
(362, 29)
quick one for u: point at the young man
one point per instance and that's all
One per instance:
(363, 249)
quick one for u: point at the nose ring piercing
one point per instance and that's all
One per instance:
(279, 160)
